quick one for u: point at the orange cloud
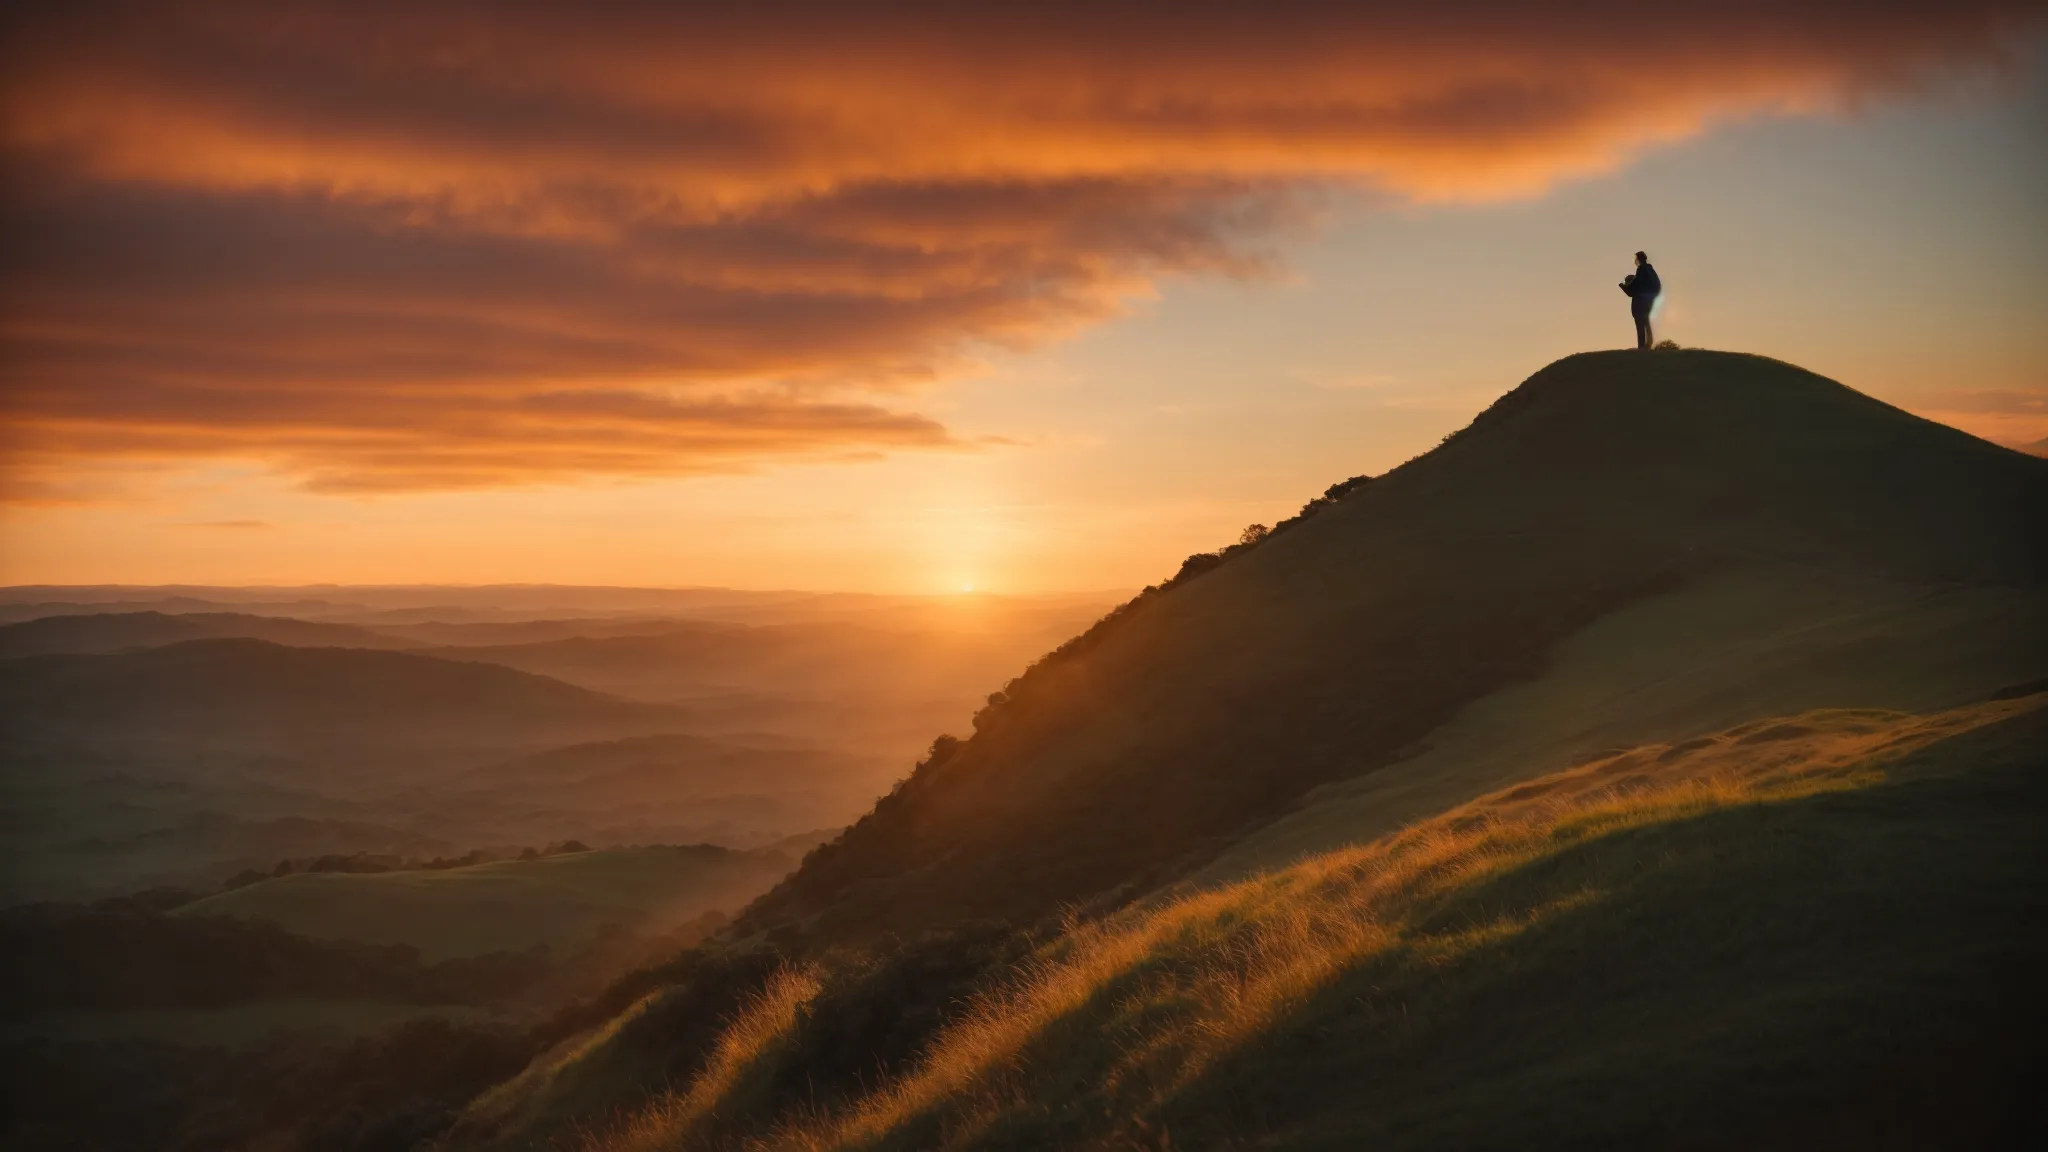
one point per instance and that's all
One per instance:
(392, 246)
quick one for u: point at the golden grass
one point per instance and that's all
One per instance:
(508, 905)
(1139, 1005)
(748, 1042)
(497, 1104)
(1733, 645)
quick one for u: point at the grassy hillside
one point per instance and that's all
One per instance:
(741, 791)
(100, 836)
(1343, 642)
(117, 631)
(1654, 764)
(1818, 929)
(1740, 642)
(63, 960)
(559, 901)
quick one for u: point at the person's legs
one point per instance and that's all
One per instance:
(1643, 337)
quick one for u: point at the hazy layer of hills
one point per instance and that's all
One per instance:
(671, 788)
(120, 631)
(401, 605)
(151, 747)
(175, 764)
(253, 691)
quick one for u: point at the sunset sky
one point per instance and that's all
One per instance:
(917, 298)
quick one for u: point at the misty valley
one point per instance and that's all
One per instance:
(240, 815)
(148, 749)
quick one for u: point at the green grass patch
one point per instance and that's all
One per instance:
(561, 902)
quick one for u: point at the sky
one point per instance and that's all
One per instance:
(929, 298)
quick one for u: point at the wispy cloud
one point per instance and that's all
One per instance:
(388, 246)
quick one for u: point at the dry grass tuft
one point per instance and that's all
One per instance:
(748, 1042)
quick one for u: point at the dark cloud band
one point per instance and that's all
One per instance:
(388, 246)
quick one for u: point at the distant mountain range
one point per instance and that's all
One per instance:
(180, 747)
(228, 690)
(118, 631)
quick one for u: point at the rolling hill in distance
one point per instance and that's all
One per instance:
(744, 791)
(239, 690)
(694, 660)
(180, 748)
(400, 607)
(875, 690)
(562, 902)
(119, 631)
(187, 763)
(1674, 728)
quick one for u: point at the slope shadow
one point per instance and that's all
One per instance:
(1854, 969)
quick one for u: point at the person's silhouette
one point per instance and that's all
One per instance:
(1642, 288)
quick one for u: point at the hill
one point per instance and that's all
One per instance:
(491, 633)
(880, 689)
(117, 631)
(246, 689)
(1743, 641)
(1345, 643)
(740, 791)
(1657, 763)
(561, 901)
(1806, 931)
(185, 764)
(19, 604)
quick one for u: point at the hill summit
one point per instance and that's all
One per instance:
(1655, 763)
(1680, 486)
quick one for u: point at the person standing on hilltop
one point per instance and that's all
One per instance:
(1642, 288)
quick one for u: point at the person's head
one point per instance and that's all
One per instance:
(1641, 259)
